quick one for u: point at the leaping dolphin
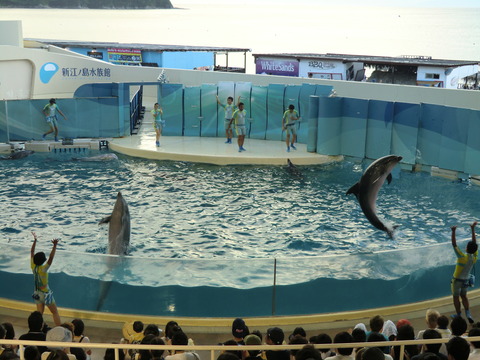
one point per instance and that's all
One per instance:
(366, 189)
(118, 240)
(119, 227)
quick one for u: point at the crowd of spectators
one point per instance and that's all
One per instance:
(378, 331)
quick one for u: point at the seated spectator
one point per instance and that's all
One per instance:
(359, 336)
(237, 353)
(308, 353)
(431, 318)
(228, 356)
(389, 330)
(151, 354)
(180, 338)
(31, 353)
(58, 355)
(377, 337)
(78, 336)
(151, 329)
(342, 353)
(403, 322)
(252, 339)
(298, 331)
(3, 332)
(376, 325)
(405, 332)
(275, 336)
(110, 354)
(35, 333)
(132, 332)
(430, 349)
(169, 331)
(296, 340)
(258, 333)
(9, 335)
(9, 355)
(442, 328)
(239, 331)
(373, 353)
(58, 334)
(458, 326)
(324, 339)
(458, 348)
(475, 354)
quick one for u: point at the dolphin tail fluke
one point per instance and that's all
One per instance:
(105, 220)
(355, 189)
(390, 232)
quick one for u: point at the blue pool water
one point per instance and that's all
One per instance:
(211, 234)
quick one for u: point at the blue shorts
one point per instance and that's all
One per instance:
(158, 125)
(52, 121)
(41, 297)
(459, 287)
(241, 130)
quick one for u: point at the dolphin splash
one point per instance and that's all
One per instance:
(366, 189)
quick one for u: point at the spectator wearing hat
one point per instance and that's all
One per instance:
(59, 334)
(250, 340)
(239, 331)
(342, 353)
(275, 336)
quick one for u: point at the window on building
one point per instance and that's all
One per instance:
(432, 76)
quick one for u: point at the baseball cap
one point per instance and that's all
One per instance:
(276, 335)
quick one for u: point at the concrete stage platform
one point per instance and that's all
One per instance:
(214, 150)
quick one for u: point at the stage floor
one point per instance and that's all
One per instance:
(214, 150)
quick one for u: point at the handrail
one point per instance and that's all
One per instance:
(213, 348)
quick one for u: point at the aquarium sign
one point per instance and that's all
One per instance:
(95, 54)
(277, 67)
(125, 56)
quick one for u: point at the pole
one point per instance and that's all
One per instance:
(274, 292)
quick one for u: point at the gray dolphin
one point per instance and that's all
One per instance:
(293, 170)
(119, 227)
(118, 241)
(102, 157)
(366, 189)
(18, 155)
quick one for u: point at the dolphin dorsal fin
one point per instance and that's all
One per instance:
(389, 178)
(354, 189)
(105, 220)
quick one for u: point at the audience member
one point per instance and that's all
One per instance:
(405, 332)
(151, 329)
(9, 335)
(431, 318)
(458, 348)
(389, 330)
(58, 334)
(308, 352)
(296, 340)
(324, 339)
(58, 355)
(78, 336)
(180, 338)
(237, 353)
(298, 331)
(239, 331)
(342, 353)
(475, 354)
(228, 356)
(403, 322)
(31, 353)
(377, 337)
(35, 333)
(110, 354)
(151, 354)
(250, 340)
(429, 349)
(376, 325)
(373, 353)
(458, 326)
(275, 336)
(442, 328)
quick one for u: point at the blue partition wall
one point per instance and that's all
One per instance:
(329, 126)
(379, 129)
(472, 149)
(275, 109)
(405, 131)
(191, 103)
(3, 122)
(354, 127)
(454, 139)
(258, 112)
(209, 110)
(171, 100)
(303, 106)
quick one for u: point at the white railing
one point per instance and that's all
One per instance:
(220, 348)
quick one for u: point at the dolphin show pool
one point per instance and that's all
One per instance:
(211, 241)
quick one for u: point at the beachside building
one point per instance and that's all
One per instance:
(154, 55)
(405, 70)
